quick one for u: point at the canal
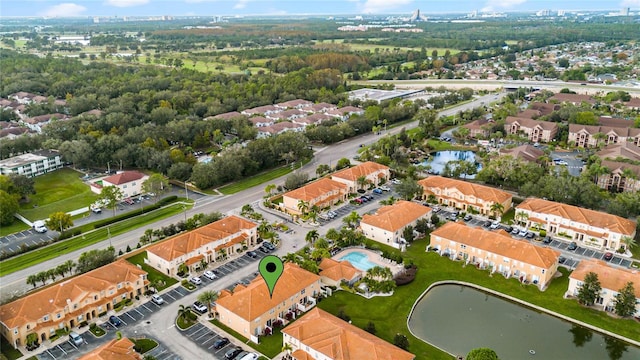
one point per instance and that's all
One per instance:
(457, 319)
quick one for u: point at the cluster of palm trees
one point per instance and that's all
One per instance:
(61, 270)
(379, 279)
(311, 212)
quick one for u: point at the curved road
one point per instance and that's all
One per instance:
(15, 283)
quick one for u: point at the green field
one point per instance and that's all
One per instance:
(433, 268)
(8, 351)
(37, 256)
(257, 179)
(61, 190)
(269, 345)
(17, 226)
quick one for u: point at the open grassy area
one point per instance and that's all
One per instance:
(432, 268)
(61, 190)
(153, 275)
(17, 226)
(144, 345)
(258, 179)
(187, 321)
(8, 351)
(37, 256)
(269, 345)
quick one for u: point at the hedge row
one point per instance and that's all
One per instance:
(130, 214)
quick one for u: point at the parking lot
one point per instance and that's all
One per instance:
(347, 208)
(205, 338)
(12, 243)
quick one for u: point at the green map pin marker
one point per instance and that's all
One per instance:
(271, 267)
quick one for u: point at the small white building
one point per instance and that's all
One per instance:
(32, 164)
(130, 182)
(388, 223)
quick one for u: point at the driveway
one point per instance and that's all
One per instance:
(573, 164)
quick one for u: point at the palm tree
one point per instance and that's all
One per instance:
(352, 219)
(68, 266)
(269, 189)
(287, 348)
(333, 234)
(183, 312)
(628, 242)
(497, 207)
(303, 206)
(312, 236)
(42, 277)
(32, 280)
(263, 228)
(290, 257)
(362, 181)
(51, 274)
(207, 297)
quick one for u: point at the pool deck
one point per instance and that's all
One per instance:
(374, 257)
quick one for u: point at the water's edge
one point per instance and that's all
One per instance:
(517, 301)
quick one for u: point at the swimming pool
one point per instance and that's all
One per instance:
(359, 260)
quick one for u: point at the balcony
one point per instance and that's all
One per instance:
(309, 303)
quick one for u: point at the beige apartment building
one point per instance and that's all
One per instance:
(373, 172)
(319, 335)
(208, 243)
(465, 196)
(322, 193)
(593, 135)
(611, 280)
(388, 223)
(590, 228)
(71, 302)
(497, 251)
(534, 130)
(250, 310)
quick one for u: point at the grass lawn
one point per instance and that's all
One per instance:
(144, 345)
(187, 321)
(17, 226)
(258, 179)
(432, 268)
(8, 351)
(37, 256)
(61, 190)
(153, 275)
(97, 331)
(269, 345)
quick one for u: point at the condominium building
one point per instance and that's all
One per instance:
(31, 164)
(322, 193)
(387, 224)
(372, 173)
(534, 130)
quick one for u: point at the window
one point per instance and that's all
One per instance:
(15, 331)
(45, 318)
(302, 292)
(28, 326)
(58, 316)
(120, 286)
(543, 271)
(80, 318)
(462, 246)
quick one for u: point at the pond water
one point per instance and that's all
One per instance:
(458, 318)
(438, 160)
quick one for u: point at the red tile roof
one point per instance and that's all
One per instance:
(485, 193)
(397, 216)
(364, 169)
(124, 177)
(610, 278)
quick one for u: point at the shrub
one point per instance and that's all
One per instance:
(543, 233)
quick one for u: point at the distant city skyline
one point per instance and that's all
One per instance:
(74, 8)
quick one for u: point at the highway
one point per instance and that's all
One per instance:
(15, 283)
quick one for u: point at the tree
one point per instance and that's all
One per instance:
(629, 242)
(590, 289)
(51, 274)
(370, 328)
(269, 189)
(42, 277)
(497, 208)
(295, 180)
(409, 189)
(183, 312)
(343, 163)
(207, 297)
(407, 234)
(32, 280)
(322, 169)
(156, 184)
(401, 341)
(521, 217)
(94, 259)
(422, 225)
(111, 196)
(342, 315)
(352, 219)
(303, 206)
(8, 207)
(68, 266)
(625, 303)
(59, 220)
(312, 236)
(362, 181)
(22, 186)
(482, 354)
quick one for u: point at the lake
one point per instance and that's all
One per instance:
(439, 159)
(458, 318)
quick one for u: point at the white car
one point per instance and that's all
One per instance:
(39, 226)
(199, 307)
(209, 275)
(385, 188)
(157, 299)
(494, 225)
(395, 181)
(196, 280)
(522, 233)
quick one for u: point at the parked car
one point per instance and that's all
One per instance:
(220, 343)
(522, 232)
(562, 259)
(250, 356)
(231, 354)
(157, 299)
(115, 321)
(435, 209)
(252, 254)
(572, 246)
(508, 229)
(377, 191)
(395, 181)
(494, 225)
(199, 307)
(75, 338)
(358, 200)
(515, 231)
(269, 245)
(39, 226)
(364, 198)
(241, 355)
(385, 188)
(209, 275)
(332, 214)
(195, 280)
(453, 217)
(369, 197)
(608, 256)
(547, 240)
(530, 235)
(467, 217)
(486, 224)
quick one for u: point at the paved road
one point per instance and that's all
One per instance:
(14, 284)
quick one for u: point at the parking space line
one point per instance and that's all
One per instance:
(61, 349)
(72, 344)
(50, 354)
(136, 310)
(132, 318)
(169, 295)
(197, 331)
(145, 306)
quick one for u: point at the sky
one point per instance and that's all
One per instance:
(68, 8)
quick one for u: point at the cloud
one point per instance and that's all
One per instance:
(630, 3)
(241, 4)
(64, 9)
(378, 6)
(125, 3)
(493, 5)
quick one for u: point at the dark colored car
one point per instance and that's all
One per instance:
(486, 224)
(572, 246)
(608, 256)
(220, 343)
(252, 254)
(547, 240)
(233, 353)
(377, 191)
(530, 235)
(369, 197)
(508, 229)
(115, 321)
(562, 259)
